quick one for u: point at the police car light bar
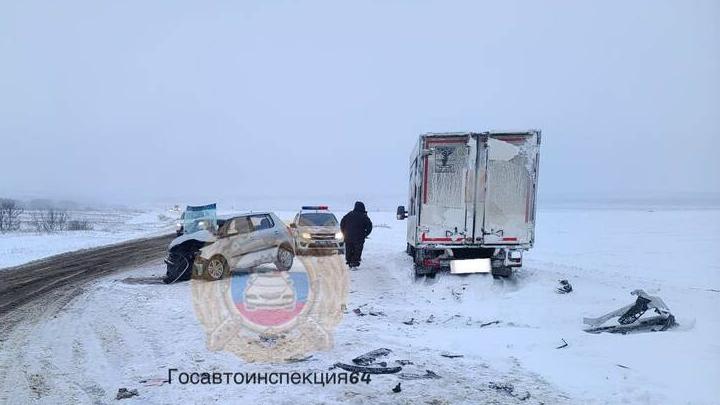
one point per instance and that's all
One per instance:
(315, 207)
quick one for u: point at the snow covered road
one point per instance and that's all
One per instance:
(126, 331)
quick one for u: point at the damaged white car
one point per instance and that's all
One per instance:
(241, 242)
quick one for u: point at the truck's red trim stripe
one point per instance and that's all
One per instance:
(517, 139)
(452, 140)
(509, 239)
(426, 239)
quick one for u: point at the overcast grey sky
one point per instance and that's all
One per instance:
(136, 101)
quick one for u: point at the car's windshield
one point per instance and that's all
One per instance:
(199, 217)
(317, 219)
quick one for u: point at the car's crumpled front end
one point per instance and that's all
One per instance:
(183, 253)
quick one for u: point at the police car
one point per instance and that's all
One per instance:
(316, 229)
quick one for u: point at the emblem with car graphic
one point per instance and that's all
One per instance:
(272, 316)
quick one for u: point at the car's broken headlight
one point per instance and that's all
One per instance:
(339, 236)
(306, 235)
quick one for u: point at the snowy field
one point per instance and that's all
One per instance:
(120, 334)
(109, 226)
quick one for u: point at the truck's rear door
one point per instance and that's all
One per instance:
(446, 214)
(511, 174)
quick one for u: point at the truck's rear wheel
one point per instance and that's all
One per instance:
(502, 271)
(410, 250)
(421, 269)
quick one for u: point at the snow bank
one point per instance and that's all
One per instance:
(108, 227)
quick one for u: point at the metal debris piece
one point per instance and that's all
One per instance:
(482, 325)
(510, 390)
(452, 317)
(124, 393)
(457, 294)
(410, 322)
(298, 359)
(565, 287)
(451, 355)
(368, 370)
(429, 375)
(630, 316)
(564, 345)
(505, 387)
(397, 388)
(403, 362)
(430, 319)
(359, 312)
(154, 381)
(370, 357)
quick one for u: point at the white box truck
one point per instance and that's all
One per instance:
(472, 196)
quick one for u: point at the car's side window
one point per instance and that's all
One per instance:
(238, 226)
(231, 228)
(244, 225)
(260, 222)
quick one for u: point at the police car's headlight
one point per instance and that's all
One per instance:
(339, 236)
(306, 235)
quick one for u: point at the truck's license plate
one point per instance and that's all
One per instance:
(470, 266)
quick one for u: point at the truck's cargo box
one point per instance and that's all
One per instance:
(473, 190)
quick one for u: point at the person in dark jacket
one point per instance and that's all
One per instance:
(355, 226)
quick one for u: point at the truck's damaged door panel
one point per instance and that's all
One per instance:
(509, 203)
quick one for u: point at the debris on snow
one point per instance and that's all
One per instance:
(564, 345)
(525, 396)
(298, 359)
(482, 325)
(124, 393)
(452, 317)
(452, 355)
(430, 319)
(410, 322)
(509, 389)
(629, 318)
(370, 357)
(404, 362)
(622, 366)
(565, 287)
(358, 311)
(458, 293)
(506, 387)
(154, 381)
(429, 375)
(368, 370)
(397, 388)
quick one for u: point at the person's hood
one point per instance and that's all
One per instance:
(359, 207)
(202, 236)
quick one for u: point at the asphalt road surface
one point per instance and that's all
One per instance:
(25, 283)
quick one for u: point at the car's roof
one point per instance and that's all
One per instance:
(245, 214)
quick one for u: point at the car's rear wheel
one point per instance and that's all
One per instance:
(284, 259)
(216, 268)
